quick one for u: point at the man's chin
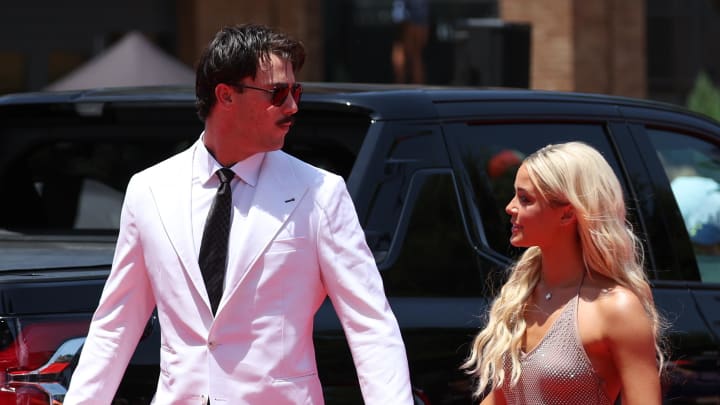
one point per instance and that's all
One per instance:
(277, 145)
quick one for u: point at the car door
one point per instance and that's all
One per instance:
(432, 274)
(684, 164)
(407, 202)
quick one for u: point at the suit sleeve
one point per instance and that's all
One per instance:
(124, 308)
(355, 288)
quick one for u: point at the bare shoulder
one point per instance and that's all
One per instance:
(612, 303)
(625, 334)
(618, 301)
(621, 312)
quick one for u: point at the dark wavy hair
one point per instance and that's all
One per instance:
(236, 52)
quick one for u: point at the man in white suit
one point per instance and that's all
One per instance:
(294, 239)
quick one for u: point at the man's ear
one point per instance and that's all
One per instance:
(223, 93)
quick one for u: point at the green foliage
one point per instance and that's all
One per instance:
(705, 97)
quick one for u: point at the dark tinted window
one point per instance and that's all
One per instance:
(327, 139)
(436, 258)
(487, 157)
(75, 184)
(72, 177)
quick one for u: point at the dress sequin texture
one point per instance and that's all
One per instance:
(557, 371)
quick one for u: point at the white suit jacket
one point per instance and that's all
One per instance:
(303, 243)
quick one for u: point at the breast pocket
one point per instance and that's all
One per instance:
(287, 245)
(280, 270)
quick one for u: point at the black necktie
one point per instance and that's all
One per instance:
(214, 245)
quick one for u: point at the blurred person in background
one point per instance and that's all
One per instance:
(412, 27)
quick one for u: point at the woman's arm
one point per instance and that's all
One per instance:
(632, 346)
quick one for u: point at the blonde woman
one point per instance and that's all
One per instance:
(575, 322)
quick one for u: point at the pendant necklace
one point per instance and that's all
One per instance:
(548, 295)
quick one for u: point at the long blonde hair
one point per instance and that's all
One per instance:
(578, 174)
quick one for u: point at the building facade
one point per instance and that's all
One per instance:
(648, 49)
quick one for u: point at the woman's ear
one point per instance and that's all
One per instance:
(568, 215)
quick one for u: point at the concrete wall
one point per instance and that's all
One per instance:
(589, 46)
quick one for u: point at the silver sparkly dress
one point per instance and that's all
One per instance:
(557, 371)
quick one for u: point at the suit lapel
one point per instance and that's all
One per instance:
(277, 194)
(172, 194)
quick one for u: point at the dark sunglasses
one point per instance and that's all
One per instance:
(279, 92)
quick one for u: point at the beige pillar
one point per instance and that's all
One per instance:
(587, 46)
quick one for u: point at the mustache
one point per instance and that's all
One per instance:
(287, 120)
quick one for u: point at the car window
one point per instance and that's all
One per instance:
(75, 185)
(72, 179)
(488, 156)
(436, 258)
(692, 166)
(329, 140)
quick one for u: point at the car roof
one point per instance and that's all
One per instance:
(381, 101)
(323, 90)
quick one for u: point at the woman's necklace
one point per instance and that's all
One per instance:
(548, 295)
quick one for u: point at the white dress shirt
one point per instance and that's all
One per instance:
(204, 187)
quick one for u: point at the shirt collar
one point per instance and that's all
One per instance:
(206, 166)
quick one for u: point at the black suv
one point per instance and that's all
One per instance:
(430, 171)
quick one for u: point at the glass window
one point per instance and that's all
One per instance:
(327, 140)
(74, 178)
(75, 185)
(693, 167)
(436, 258)
(488, 157)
